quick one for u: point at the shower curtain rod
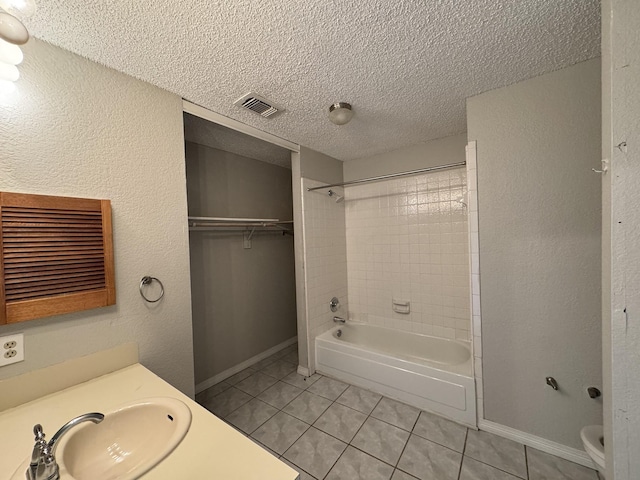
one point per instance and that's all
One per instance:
(391, 175)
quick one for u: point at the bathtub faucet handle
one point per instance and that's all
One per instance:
(339, 320)
(334, 304)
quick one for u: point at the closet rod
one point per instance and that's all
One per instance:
(239, 230)
(391, 175)
(277, 224)
(231, 219)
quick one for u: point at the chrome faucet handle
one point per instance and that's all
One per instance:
(37, 453)
(38, 432)
(334, 304)
(47, 466)
(43, 464)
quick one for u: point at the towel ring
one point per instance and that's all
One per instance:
(146, 280)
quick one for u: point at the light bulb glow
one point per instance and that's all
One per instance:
(9, 72)
(10, 53)
(6, 87)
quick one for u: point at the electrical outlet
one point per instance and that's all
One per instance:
(12, 350)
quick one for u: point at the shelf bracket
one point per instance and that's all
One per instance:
(247, 238)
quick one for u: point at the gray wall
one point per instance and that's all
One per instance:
(430, 154)
(243, 299)
(620, 239)
(539, 214)
(318, 166)
(76, 128)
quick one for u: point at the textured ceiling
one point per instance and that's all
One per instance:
(212, 135)
(406, 66)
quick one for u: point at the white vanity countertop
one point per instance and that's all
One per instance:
(210, 450)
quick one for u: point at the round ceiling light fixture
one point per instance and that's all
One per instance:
(22, 9)
(340, 113)
(12, 14)
(13, 30)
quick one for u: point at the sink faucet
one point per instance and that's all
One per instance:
(43, 464)
(38, 448)
(339, 320)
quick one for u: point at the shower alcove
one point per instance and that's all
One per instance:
(398, 234)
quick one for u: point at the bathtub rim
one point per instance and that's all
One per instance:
(464, 369)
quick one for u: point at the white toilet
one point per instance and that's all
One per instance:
(593, 441)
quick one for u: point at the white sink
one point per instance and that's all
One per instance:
(129, 442)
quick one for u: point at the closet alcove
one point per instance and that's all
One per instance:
(241, 244)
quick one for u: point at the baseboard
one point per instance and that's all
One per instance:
(568, 453)
(210, 382)
(303, 371)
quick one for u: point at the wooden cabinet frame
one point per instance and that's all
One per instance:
(56, 256)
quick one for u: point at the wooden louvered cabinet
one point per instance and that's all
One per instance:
(57, 256)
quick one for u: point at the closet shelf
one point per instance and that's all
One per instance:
(231, 224)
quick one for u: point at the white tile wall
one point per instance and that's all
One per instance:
(475, 275)
(325, 259)
(407, 239)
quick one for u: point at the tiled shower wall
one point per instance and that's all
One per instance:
(407, 240)
(325, 259)
(476, 331)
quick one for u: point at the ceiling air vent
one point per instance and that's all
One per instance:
(257, 104)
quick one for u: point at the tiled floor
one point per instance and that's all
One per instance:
(326, 429)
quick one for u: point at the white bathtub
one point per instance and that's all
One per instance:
(429, 373)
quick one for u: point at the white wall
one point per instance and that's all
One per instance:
(326, 260)
(474, 267)
(620, 239)
(539, 224)
(75, 128)
(407, 240)
(429, 154)
(243, 300)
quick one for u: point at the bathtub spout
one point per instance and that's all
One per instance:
(339, 320)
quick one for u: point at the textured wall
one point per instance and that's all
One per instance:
(539, 213)
(76, 128)
(407, 239)
(621, 242)
(609, 375)
(243, 299)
